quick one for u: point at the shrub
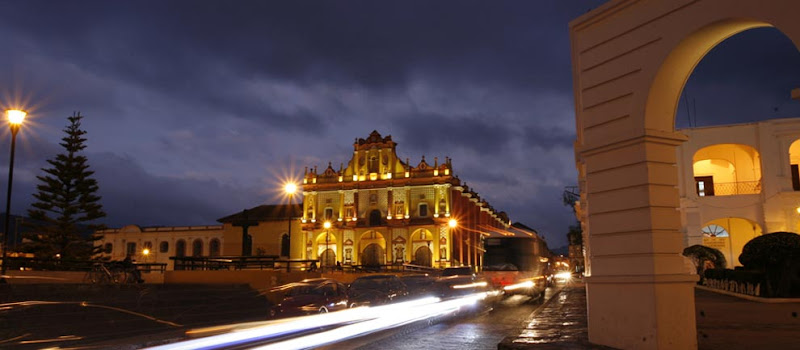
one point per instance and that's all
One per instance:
(701, 254)
(777, 254)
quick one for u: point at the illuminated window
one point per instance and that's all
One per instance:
(714, 231)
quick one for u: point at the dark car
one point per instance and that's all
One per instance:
(310, 296)
(376, 290)
(420, 285)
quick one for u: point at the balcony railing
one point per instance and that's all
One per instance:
(735, 188)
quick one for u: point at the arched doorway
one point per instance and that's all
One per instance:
(326, 249)
(630, 62)
(373, 255)
(327, 258)
(421, 245)
(423, 256)
(372, 249)
(794, 164)
(729, 235)
(180, 248)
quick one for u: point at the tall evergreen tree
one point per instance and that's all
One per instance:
(66, 202)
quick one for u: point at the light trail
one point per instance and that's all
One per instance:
(294, 325)
(386, 321)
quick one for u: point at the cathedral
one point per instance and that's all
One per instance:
(379, 209)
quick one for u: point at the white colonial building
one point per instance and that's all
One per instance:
(738, 182)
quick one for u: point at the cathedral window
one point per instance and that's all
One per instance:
(423, 209)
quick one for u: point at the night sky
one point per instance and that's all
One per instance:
(196, 109)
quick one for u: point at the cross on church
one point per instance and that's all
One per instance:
(247, 241)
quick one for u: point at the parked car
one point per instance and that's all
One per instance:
(420, 285)
(310, 296)
(376, 290)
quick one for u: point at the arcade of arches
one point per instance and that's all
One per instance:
(631, 60)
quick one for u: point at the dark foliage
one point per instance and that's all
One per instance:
(701, 254)
(778, 255)
(65, 199)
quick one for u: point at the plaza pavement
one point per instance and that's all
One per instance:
(723, 322)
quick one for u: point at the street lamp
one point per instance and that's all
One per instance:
(15, 118)
(452, 223)
(289, 188)
(145, 252)
(327, 226)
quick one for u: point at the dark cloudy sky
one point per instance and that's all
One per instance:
(195, 109)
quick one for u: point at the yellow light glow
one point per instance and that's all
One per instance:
(389, 175)
(471, 285)
(564, 275)
(146, 251)
(290, 188)
(435, 172)
(341, 178)
(525, 284)
(447, 171)
(355, 177)
(453, 223)
(327, 224)
(798, 210)
(15, 116)
(373, 176)
(408, 174)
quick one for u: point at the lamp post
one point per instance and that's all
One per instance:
(453, 223)
(15, 118)
(327, 227)
(290, 189)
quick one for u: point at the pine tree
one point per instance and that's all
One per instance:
(66, 202)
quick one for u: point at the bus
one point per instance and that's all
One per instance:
(517, 265)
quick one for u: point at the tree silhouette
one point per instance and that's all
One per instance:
(66, 202)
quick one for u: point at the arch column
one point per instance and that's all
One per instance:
(639, 293)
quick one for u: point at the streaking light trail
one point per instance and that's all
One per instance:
(356, 322)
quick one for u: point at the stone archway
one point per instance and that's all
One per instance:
(631, 60)
(423, 256)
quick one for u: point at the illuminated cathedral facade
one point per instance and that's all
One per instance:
(379, 209)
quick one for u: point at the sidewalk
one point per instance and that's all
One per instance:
(559, 324)
(723, 322)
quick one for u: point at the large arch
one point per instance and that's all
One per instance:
(371, 248)
(631, 60)
(727, 169)
(729, 235)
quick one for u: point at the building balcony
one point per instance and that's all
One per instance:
(706, 189)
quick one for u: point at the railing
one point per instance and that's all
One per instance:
(272, 262)
(37, 264)
(735, 188)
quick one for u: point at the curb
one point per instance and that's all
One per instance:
(750, 297)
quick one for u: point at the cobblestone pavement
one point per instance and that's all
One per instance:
(560, 324)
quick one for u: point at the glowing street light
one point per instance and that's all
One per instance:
(15, 119)
(326, 225)
(452, 223)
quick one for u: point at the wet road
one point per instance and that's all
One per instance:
(481, 330)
